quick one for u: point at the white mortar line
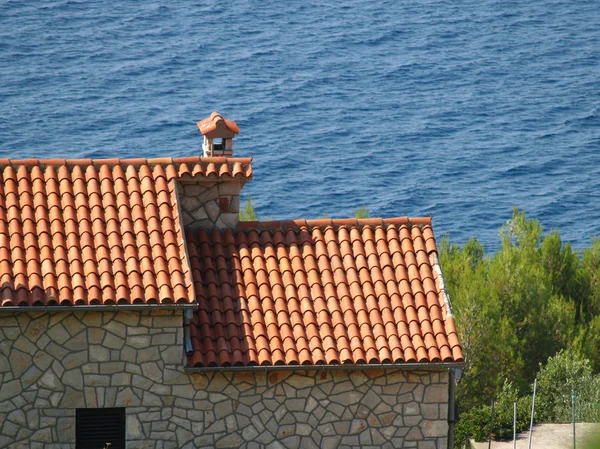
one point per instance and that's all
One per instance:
(442, 283)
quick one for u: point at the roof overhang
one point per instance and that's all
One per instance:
(98, 308)
(384, 366)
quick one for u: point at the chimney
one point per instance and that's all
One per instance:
(209, 190)
(218, 135)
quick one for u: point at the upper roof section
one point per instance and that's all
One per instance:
(98, 232)
(217, 126)
(320, 292)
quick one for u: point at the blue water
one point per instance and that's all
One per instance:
(458, 109)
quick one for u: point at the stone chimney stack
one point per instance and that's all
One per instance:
(208, 188)
(218, 135)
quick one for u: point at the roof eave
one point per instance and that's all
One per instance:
(99, 308)
(431, 366)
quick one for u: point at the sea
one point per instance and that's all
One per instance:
(458, 109)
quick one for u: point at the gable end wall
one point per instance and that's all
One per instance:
(52, 364)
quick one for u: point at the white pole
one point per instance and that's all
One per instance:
(573, 397)
(532, 411)
(515, 426)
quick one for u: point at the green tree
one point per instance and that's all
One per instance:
(536, 302)
(587, 342)
(248, 213)
(588, 305)
(513, 310)
(466, 273)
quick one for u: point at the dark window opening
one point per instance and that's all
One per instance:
(218, 144)
(97, 426)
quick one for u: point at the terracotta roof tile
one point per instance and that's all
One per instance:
(320, 292)
(217, 123)
(82, 231)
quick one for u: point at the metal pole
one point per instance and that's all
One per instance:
(532, 412)
(515, 425)
(573, 397)
(491, 425)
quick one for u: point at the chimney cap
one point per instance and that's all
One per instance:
(218, 126)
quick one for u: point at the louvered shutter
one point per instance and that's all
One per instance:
(98, 426)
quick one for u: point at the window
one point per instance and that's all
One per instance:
(97, 426)
(218, 144)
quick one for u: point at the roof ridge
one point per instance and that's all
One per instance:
(323, 222)
(130, 161)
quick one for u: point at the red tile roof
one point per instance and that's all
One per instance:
(87, 232)
(216, 124)
(320, 292)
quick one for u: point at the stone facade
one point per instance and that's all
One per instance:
(53, 363)
(209, 205)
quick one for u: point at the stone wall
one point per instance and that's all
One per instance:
(209, 204)
(54, 363)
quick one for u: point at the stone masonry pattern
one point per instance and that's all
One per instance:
(210, 204)
(53, 363)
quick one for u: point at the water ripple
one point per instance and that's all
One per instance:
(456, 109)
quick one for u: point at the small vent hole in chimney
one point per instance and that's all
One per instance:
(224, 204)
(218, 144)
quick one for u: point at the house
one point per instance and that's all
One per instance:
(136, 310)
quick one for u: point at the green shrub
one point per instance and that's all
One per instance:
(564, 372)
(475, 423)
(556, 379)
(361, 212)
(593, 442)
(248, 213)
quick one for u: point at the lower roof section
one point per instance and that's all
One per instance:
(322, 292)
